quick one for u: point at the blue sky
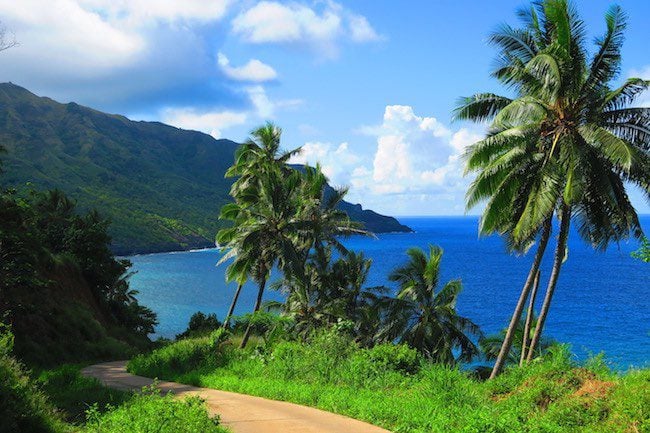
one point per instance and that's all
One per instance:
(367, 87)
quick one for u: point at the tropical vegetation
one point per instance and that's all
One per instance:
(559, 153)
(564, 146)
(394, 386)
(65, 295)
(283, 217)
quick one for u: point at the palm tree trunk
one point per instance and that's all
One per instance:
(529, 319)
(516, 315)
(258, 304)
(231, 310)
(560, 252)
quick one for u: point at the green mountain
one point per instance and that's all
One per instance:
(162, 187)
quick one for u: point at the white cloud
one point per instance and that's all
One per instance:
(337, 162)
(211, 122)
(64, 34)
(264, 106)
(215, 121)
(137, 12)
(254, 70)
(100, 51)
(361, 30)
(415, 159)
(297, 23)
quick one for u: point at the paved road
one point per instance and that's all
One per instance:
(241, 413)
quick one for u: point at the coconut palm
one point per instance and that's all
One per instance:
(329, 292)
(324, 224)
(491, 344)
(563, 146)
(424, 318)
(264, 214)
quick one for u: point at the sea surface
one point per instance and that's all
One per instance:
(601, 304)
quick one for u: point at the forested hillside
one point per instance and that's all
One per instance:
(162, 187)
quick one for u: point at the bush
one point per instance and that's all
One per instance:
(23, 407)
(400, 357)
(183, 356)
(151, 413)
(200, 325)
(263, 323)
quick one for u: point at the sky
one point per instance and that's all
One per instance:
(367, 88)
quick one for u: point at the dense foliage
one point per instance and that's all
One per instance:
(23, 407)
(564, 146)
(395, 387)
(62, 291)
(200, 324)
(161, 186)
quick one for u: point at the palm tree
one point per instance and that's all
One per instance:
(563, 146)
(324, 224)
(264, 214)
(491, 344)
(329, 292)
(427, 320)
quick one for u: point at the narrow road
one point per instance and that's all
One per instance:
(241, 413)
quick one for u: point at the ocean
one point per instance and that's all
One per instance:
(601, 304)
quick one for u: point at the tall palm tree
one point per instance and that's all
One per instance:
(264, 214)
(424, 318)
(563, 146)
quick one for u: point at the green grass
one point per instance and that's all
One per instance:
(392, 387)
(73, 394)
(150, 412)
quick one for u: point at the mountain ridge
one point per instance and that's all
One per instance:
(161, 186)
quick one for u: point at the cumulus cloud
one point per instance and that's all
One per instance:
(415, 157)
(338, 162)
(296, 23)
(254, 70)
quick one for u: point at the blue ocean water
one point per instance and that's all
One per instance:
(601, 304)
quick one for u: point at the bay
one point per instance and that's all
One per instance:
(602, 303)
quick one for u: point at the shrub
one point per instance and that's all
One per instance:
(263, 323)
(200, 324)
(393, 357)
(23, 408)
(183, 356)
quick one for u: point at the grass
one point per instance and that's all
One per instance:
(73, 394)
(393, 387)
(150, 412)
